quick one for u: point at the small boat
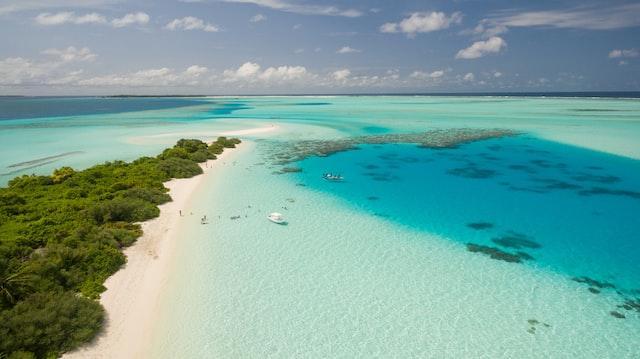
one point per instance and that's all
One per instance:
(332, 177)
(276, 217)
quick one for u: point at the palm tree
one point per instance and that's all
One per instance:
(16, 284)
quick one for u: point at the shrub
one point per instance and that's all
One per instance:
(48, 324)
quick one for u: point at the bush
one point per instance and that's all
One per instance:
(48, 324)
(61, 235)
(179, 168)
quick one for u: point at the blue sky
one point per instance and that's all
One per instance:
(311, 46)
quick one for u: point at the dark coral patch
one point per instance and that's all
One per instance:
(588, 177)
(373, 198)
(551, 183)
(611, 192)
(523, 168)
(516, 240)
(496, 253)
(631, 304)
(480, 225)
(472, 172)
(593, 283)
(617, 314)
(594, 290)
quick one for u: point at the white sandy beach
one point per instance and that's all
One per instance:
(132, 293)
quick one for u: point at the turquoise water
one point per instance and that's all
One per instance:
(378, 266)
(578, 207)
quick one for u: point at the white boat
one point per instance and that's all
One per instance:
(276, 217)
(332, 177)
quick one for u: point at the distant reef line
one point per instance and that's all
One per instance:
(435, 139)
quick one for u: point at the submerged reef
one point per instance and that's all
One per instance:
(472, 171)
(593, 283)
(611, 192)
(616, 314)
(436, 139)
(499, 254)
(516, 240)
(534, 324)
(480, 225)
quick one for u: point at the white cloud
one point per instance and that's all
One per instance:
(421, 75)
(196, 70)
(138, 18)
(304, 9)
(614, 54)
(347, 50)
(470, 77)
(150, 77)
(53, 71)
(69, 17)
(10, 6)
(245, 71)
(258, 18)
(283, 73)
(250, 73)
(486, 29)
(298, 51)
(191, 23)
(341, 75)
(604, 17)
(481, 48)
(18, 70)
(497, 74)
(71, 53)
(420, 22)
(297, 26)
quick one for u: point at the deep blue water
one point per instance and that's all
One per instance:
(576, 209)
(35, 107)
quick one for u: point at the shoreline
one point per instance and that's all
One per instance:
(133, 292)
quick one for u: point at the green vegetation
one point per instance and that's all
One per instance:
(61, 237)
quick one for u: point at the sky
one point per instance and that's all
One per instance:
(220, 47)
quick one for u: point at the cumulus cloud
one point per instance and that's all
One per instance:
(615, 54)
(258, 18)
(341, 75)
(251, 73)
(150, 77)
(71, 53)
(421, 22)
(347, 50)
(421, 75)
(191, 23)
(69, 17)
(480, 48)
(138, 18)
(470, 77)
(18, 70)
(304, 9)
(53, 71)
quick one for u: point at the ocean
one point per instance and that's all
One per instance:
(520, 246)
